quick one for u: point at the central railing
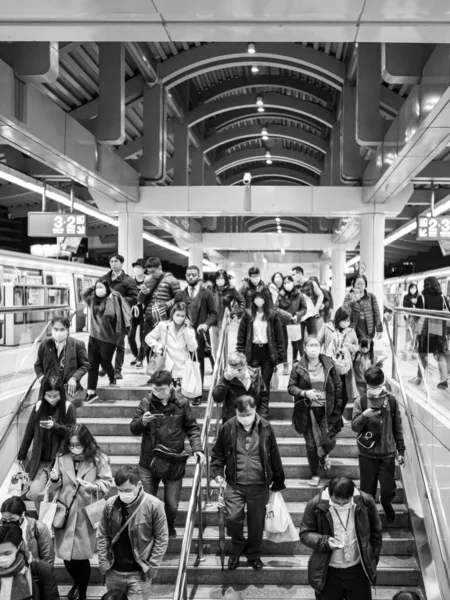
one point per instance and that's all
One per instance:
(195, 501)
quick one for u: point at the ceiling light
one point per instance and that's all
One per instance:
(261, 109)
(265, 134)
(268, 162)
(255, 69)
(283, 251)
(259, 101)
(277, 219)
(251, 49)
(268, 155)
(265, 138)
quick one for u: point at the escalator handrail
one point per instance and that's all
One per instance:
(422, 312)
(428, 489)
(7, 310)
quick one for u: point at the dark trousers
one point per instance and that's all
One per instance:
(80, 571)
(261, 359)
(137, 323)
(327, 444)
(295, 346)
(373, 470)
(172, 491)
(346, 584)
(255, 497)
(120, 354)
(99, 353)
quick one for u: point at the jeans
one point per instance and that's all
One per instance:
(37, 487)
(327, 444)
(172, 491)
(261, 359)
(80, 571)
(373, 470)
(99, 353)
(120, 354)
(135, 587)
(136, 322)
(346, 584)
(256, 498)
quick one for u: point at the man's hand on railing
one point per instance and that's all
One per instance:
(200, 456)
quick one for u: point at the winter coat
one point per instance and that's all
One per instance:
(44, 581)
(39, 541)
(171, 431)
(407, 301)
(226, 392)
(368, 303)
(224, 454)
(33, 433)
(431, 343)
(76, 361)
(292, 302)
(178, 344)
(224, 299)
(275, 338)
(147, 531)
(161, 292)
(111, 324)
(124, 285)
(317, 527)
(77, 540)
(299, 381)
(391, 438)
(248, 290)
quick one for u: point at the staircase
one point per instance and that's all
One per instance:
(285, 572)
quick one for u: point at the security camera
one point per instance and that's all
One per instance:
(247, 179)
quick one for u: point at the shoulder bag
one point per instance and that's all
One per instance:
(157, 361)
(167, 464)
(127, 522)
(63, 511)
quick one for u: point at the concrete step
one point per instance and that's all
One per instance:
(285, 570)
(292, 446)
(136, 392)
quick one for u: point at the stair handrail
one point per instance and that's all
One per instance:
(428, 490)
(195, 500)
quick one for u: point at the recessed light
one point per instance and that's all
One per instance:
(251, 49)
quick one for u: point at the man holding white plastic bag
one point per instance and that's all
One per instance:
(246, 451)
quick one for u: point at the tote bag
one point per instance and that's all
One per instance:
(94, 511)
(294, 332)
(47, 510)
(191, 383)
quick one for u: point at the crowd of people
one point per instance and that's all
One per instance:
(333, 363)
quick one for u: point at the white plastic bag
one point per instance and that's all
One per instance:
(277, 514)
(294, 332)
(290, 535)
(191, 384)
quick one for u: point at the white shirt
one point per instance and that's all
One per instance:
(344, 532)
(259, 329)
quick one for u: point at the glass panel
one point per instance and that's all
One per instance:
(18, 301)
(35, 296)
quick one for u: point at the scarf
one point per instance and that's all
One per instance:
(15, 582)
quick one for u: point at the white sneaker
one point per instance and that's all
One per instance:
(327, 463)
(314, 481)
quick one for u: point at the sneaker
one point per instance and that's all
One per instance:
(118, 375)
(139, 364)
(327, 464)
(196, 401)
(415, 380)
(390, 513)
(314, 481)
(92, 397)
(172, 531)
(73, 593)
(133, 362)
(442, 385)
(113, 381)
(286, 369)
(101, 373)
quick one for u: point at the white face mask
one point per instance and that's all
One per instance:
(77, 451)
(100, 293)
(259, 302)
(220, 282)
(7, 561)
(255, 280)
(289, 286)
(52, 398)
(312, 352)
(344, 324)
(127, 497)
(247, 420)
(59, 336)
(179, 320)
(162, 395)
(375, 392)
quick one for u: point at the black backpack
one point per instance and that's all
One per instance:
(370, 435)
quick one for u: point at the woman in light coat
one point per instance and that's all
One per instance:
(176, 338)
(81, 473)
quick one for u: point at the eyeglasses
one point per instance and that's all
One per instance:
(75, 445)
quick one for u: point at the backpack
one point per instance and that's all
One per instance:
(371, 434)
(342, 359)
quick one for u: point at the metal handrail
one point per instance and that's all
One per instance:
(195, 500)
(20, 406)
(416, 446)
(23, 309)
(422, 312)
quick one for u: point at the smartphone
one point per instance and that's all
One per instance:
(159, 416)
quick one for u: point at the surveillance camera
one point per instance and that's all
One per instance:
(247, 179)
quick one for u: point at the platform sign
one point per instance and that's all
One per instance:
(47, 224)
(433, 228)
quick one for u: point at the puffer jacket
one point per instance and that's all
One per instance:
(124, 285)
(226, 392)
(171, 431)
(39, 541)
(248, 289)
(300, 381)
(368, 303)
(275, 338)
(148, 533)
(224, 299)
(163, 295)
(224, 454)
(317, 527)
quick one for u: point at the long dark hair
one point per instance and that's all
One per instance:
(273, 278)
(342, 314)
(224, 274)
(52, 383)
(411, 285)
(99, 304)
(92, 452)
(431, 287)
(267, 308)
(366, 343)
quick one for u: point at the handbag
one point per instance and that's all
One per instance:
(63, 511)
(78, 398)
(47, 510)
(19, 484)
(94, 511)
(157, 361)
(294, 332)
(274, 382)
(167, 464)
(191, 383)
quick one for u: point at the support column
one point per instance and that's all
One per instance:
(110, 122)
(372, 253)
(196, 258)
(338, 275)
(324, 274)
(131, 244)
(369, 123)
(197, 168)
(153, 161)
(180, 154)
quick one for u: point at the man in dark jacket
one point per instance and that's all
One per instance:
(247, 450)
(253, 284)
(126, 286)
(238, 380)
(202, 312)
(164, 417)
(342, 527)
(62, 356)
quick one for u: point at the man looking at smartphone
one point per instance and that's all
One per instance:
(164, 418)
(343, 528)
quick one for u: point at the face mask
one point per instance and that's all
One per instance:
(220, 282)
(179, 320)
(52, 398)
(100, 293)
(344, 324)
(289, 287)
(312, 352)
(77, 451)
(413, 291)
(259, 302)
(162, 395)
(375, 392)
(59, 336)
(127, 497)
(246, 421)
(255, 280)
(7, 561)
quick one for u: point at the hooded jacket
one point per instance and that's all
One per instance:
(224, 454)
(317, 527)
(226, 392)
(124, 285)
(275, 338)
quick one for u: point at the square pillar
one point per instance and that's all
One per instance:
(324, 274)
(196, 258)
(197, 168)
(338, 275)
(153, 161)
(131, 244)
(180, 154)
(372, 253)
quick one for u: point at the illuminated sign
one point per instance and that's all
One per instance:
(46, 224)
(433, 228)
